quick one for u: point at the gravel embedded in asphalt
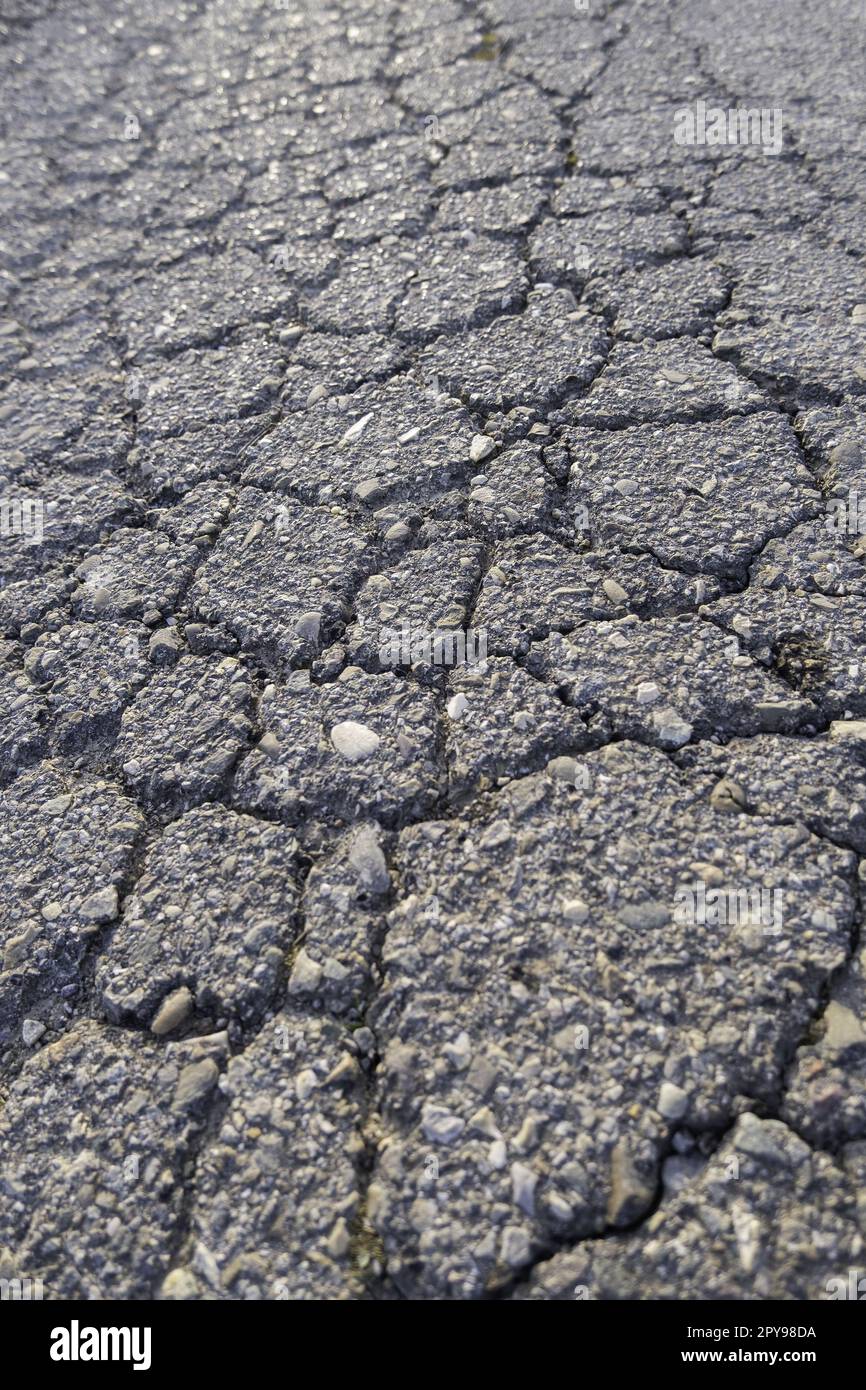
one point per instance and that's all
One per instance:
(432, 651)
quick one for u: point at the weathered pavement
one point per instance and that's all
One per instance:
(329, 974)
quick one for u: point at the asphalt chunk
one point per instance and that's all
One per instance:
(534, 1061)
(182, 734)
(68, 844)
(212, 914)
(357, 747)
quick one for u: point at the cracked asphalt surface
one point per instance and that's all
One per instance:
(332, 968)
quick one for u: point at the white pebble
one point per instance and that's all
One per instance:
(355, 431)
(482, 447)
(354, 741)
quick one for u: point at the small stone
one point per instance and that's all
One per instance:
(615, 592)
(559, 1208)
(630, 1194)
(457, 707)
(367, 859)
(101, 906)
(269, 744)
(645, 916)
(484, 1121)
(563, 769)
(31, 1031)
(843, 1028)
(422, 1213)
(459, 1052)
(176, 1007)
(769, 1141)
(16, 947)
(481, 448)
(777, 714)
(338, 1240)
(306, 1082)
(307, 627)
(497, 1154)
(647, 693)
(180, 1285)
(194, 1082)
(354, 741)
(345, 1073)
(440, 1126)
(164, 645)
(523, 1185)
(575, 910)
(527, 1136)
(673, 1102)
(306, 974)
(673, 731)
(847, 454)
(355, 431)
(515, 1248)
(848, 728)
(405, 745)
(369, 490)
(728, 795)
(365, 1040)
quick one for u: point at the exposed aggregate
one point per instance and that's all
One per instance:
(448, 590)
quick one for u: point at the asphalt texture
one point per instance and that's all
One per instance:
(337, 342)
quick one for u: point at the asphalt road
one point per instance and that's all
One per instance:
(433, 763)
